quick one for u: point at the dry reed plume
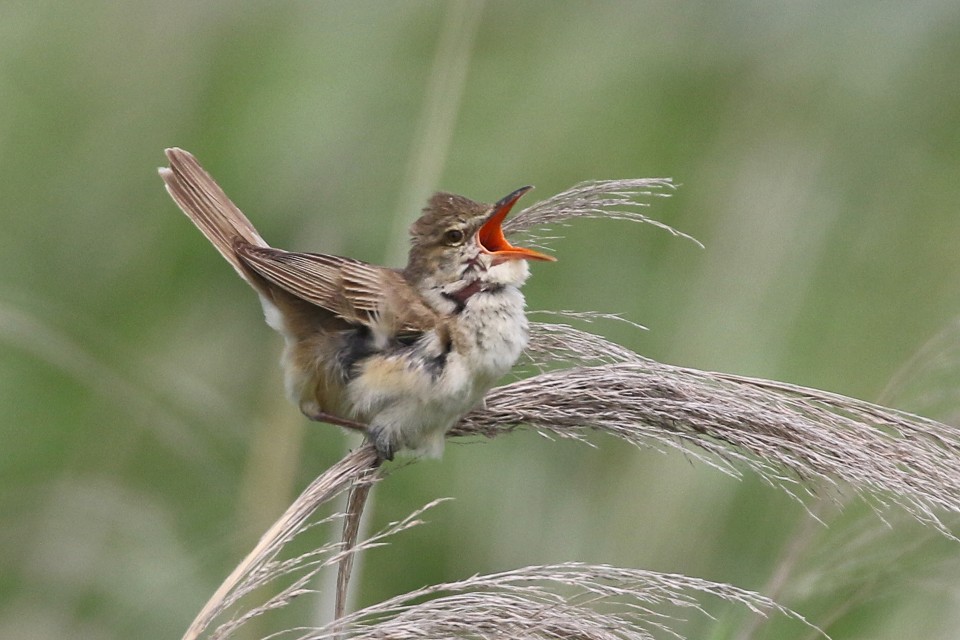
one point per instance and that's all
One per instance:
(571, 600)
(794, 437)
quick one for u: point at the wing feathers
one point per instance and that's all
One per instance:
(356, 291)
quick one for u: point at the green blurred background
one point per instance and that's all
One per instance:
(145, 439)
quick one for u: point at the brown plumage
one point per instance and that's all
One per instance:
(401, 354)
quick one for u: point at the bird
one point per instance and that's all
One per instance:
(399, 354)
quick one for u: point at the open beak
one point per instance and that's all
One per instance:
(490, 235)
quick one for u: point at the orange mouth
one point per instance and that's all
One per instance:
(491, 239)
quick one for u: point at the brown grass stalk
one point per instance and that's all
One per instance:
(260, 566)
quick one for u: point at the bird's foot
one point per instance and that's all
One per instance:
(385, 445)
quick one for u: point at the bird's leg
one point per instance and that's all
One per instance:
(329, 418)
(384, 445)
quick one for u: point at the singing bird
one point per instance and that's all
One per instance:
(401, 354)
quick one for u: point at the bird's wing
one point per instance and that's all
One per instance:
(356, 291)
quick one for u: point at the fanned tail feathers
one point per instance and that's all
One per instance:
(205, 203)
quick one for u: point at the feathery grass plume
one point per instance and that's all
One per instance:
(608, 199)
(571, 600)
(854, 564)
(792, 436)
(304, 569)
(262, 567)
(553, 343)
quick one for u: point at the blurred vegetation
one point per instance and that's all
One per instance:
(146, 442)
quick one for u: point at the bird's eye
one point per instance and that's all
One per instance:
(453, 236)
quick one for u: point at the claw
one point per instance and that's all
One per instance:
(383, 443)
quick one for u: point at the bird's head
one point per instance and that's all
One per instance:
(457, 242)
